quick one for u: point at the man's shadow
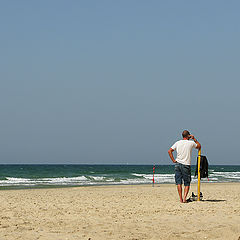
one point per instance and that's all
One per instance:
(213, 200)
(207, 200)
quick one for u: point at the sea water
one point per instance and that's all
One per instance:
(49, 175)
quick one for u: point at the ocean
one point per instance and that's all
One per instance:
(60, 175)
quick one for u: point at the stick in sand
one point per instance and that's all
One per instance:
(153, 175)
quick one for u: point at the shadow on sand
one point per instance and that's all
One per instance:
(213, 200)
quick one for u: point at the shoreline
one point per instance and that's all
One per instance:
(12, 188)
(46, 176)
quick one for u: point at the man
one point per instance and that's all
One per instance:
(183, 162)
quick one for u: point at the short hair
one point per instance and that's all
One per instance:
(185, 133)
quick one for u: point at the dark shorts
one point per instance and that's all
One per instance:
(182, 173)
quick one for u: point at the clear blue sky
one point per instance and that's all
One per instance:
(118, 81)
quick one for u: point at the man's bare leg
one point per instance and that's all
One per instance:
(186, 190)
(179, 188)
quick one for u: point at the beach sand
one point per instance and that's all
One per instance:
(120, 212)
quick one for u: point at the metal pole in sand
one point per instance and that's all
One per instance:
(153, 175)
(199, 177)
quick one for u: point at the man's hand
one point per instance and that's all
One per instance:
(170, 151)
(196, 141)
(192, 137)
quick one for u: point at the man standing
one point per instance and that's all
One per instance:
(183, 162)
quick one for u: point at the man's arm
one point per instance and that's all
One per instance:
(170, 152)
(196, 141)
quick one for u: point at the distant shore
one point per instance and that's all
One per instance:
(120, 212)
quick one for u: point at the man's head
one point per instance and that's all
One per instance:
(186, 134)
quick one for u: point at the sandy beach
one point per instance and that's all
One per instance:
(120, 212)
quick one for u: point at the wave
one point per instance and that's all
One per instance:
(158, 178)
(10, 181)
(118, 178)
(230, 176)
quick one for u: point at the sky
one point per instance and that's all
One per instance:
(116, 82)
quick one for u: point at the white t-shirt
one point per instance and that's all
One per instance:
(184, 151)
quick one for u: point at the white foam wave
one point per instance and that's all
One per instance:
(213, 177)
(226, 175)
(158, 178)
(65, 179)
(134, 181)
(137, 174)
(45, 181)
(96, 178)
(135, 178)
